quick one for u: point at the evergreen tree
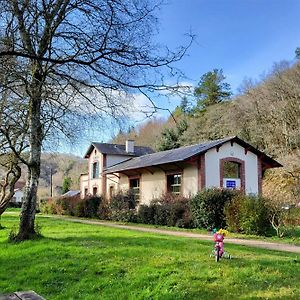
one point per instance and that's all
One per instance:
(170, 137)
(66, 185)
(211, 89)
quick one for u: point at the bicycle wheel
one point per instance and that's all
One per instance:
(217, 254)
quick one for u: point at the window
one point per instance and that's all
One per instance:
(95, 170)
(95, 190)
(111, 191)
(232, 170)
(134, 185)
(232, 173)
(174, 184)
(85, 191)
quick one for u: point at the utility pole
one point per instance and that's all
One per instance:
(50, 182)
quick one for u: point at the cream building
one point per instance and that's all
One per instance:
(226, 163)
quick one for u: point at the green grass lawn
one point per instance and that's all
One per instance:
(77, 261)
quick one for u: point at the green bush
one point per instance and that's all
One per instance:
(74, 206)
(207, 207)
(124, 215)
(145, 214)
(88, 207)
(123, 200)
(293, 217)
(122, 207)
(167, 210)
(104, 210)
(247, 214)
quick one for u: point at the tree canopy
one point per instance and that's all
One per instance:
(211, 89)
(71, 59)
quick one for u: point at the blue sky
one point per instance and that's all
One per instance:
(243, 37)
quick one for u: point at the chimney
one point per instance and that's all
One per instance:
(129, 146)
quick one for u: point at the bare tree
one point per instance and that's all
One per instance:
(12, 174)
(78, 56)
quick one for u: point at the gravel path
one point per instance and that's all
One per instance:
(244, 242)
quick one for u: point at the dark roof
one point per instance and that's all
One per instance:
(182, 154)
(116, 149)
(19, 184)
(71, 193)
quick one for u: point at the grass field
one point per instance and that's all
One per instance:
(77, 261)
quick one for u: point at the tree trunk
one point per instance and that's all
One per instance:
(27, 218)
(27, 228)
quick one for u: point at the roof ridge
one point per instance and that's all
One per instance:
(113, 144)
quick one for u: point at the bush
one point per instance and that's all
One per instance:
(104, 210)
(14, 205)
(88, 207)
(124, 215)
(283, 218)
(293, 217)
(123, 200)
(145, 214)
(122, 207)
(247, 214)
(208, 205)
(167, 210)
(74, 206)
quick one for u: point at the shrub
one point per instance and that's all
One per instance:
(145, 214)
(124, 215)
(284, 218)
(104, 210)
(14, 204)
(88, 207)
(247, 214)
(74, 206)
(123, 200)
(293, 217)
(122, 207)
(167, 210)
(207, 207)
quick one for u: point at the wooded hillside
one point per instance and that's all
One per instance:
(62, 166)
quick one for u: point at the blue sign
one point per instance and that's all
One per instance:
(230, 184)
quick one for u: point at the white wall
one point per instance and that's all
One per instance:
(190, 181)
(212, 166)
(84, 184)
(152, 186)
(18, 195)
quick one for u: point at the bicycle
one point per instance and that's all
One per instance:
(218, 251)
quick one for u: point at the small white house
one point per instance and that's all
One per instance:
(19, 192)
(18, 196)
(226, 163)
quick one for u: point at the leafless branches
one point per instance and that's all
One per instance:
(72, 59)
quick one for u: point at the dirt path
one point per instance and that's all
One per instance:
(251, 243)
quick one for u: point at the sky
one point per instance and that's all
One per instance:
(242, 37)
